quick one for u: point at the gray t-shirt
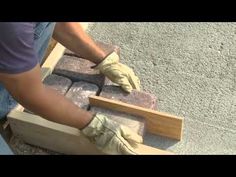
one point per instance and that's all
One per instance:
(17, 53)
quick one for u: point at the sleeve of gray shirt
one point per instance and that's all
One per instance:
(17, 52)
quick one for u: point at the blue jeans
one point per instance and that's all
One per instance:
(42, 35)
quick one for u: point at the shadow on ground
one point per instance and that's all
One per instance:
(159, 141)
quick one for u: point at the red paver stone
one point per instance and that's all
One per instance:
(59, 83)
(79, 93)
(78, 69)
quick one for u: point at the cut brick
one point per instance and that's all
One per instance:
(78, 69)
(59, 83)
(137, 98)
(79, 93)
(108, 48)
(137, 124)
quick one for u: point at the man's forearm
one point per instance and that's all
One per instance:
(29, 91)
(55, 107)
(73, 37)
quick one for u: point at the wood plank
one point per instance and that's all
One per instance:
(51, 46)
(60, 138)
(148, 150)
(157, 122)
(54, 57)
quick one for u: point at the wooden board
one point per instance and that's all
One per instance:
(54, 57)
(60, 138)
(157, 122)
(51, 46)
(148, 150)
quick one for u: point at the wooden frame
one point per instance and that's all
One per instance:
(38, 131)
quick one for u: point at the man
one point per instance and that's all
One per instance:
(22, 47)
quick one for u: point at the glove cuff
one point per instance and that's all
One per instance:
(94, 125)
(110, 59)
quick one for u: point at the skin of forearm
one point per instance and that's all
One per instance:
(28, 90)
(74, 38)
(49, 104)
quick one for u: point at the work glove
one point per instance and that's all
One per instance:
(111, 137)
(119, 73)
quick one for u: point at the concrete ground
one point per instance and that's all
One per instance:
(191, 68)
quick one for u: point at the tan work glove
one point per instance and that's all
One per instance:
(111, 137)
(119, 73)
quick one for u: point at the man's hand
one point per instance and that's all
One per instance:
(74, 38)
(111, 137)
(119, 73)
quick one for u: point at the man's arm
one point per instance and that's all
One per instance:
(21, 76)
(73, 37)
(106, 134)
(29, 91)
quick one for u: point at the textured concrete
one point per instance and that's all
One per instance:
(19, 147)
(191, 68)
